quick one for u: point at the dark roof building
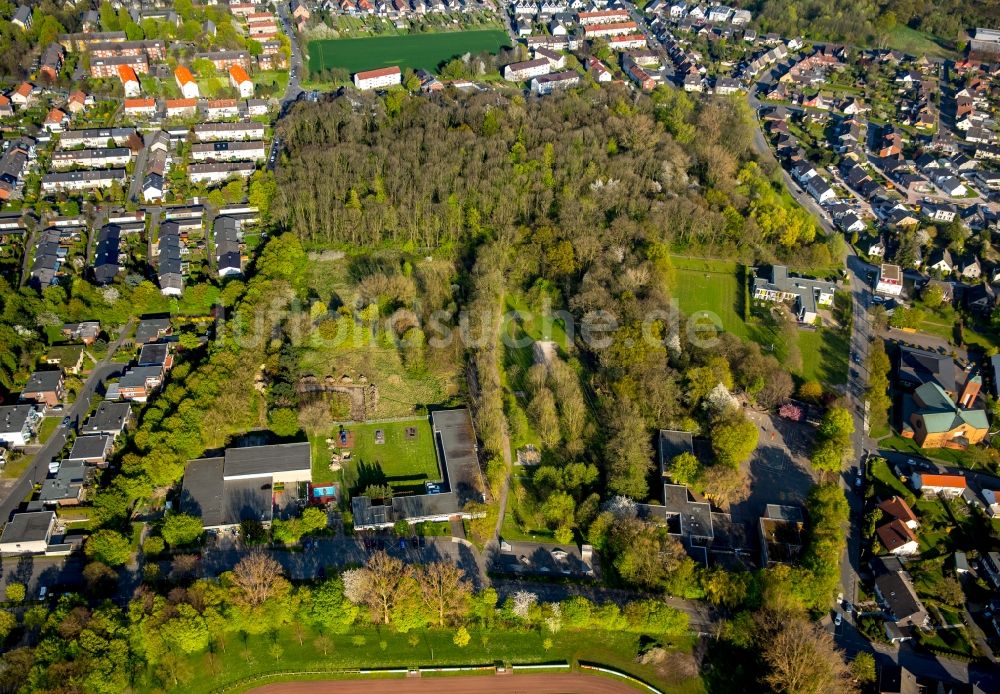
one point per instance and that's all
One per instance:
(91, 449)
(110, 418)
(916, 367)
(66, 488)
(238, 486)
(152, 329)
(462, 482)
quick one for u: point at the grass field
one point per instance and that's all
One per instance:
(425, 51)
(713, 286)
(824, 355)
(401, 462)
(280, 651)
(917, 43)
(47, 428)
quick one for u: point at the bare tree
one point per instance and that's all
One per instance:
(257, 578)
(804, 660)
(386, 576)
(444, 589)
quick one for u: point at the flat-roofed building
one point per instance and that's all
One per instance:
(28, 533)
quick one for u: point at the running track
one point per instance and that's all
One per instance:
(482, 684)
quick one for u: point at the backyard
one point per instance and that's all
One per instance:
(426, 51)
(404, 461)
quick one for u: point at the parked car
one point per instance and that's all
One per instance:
(838, 620)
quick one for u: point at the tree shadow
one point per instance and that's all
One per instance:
(369, 474)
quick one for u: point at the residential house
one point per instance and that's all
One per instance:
(896, 595)
(941, 261)
(66, 487)
(22, 17)
(129, 80)
(28, 533)
(897, 509)
(111, 418)
(69, 358)
(898, 538)
(520, 72)
(92, 449)
(782, 534)
(185, 82)
(381, 78)
(152, 329)
(18, 424)
(948, 486)
(85, 332)
(44, 388)
(890, 280)
(241, 81)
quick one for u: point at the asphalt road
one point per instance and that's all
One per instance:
(295, 73)
(15, 493)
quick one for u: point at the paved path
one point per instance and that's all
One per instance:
(556, 683)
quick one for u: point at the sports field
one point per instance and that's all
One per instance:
(709, 285)
(425, 51)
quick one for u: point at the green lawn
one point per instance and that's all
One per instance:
(824, 355)
(280, 651)
(903, 38)
(47, 428)
(944, 455)
(713, 286)
(426, 51)
(889, 484)
(401, 462)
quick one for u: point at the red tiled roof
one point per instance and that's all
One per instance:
(899, 509)
(183, 75)
(238, 74)
(895, 534)
(140, 103)
(943, 481)
(381, 72)
(127, 74)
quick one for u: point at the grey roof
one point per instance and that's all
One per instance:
(222, 502)
(672, 444)
(150, 328)
(28, 527)
(43, 382)
(110, 418)
(90, 447)
(918, 366)
(139, 376)
(694, 517)
(456, 441)
(262, 461)
(899, 596)
(66, 484)
(153, 354)
(539, 558)
(12, 418)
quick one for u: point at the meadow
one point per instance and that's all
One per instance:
(426, 51)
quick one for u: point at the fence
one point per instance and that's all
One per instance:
(342, 673)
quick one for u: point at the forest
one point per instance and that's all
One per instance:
(866, 21)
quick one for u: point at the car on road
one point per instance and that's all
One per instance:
(856, 358)
(838, 620)
(858, 480)
(42, 592)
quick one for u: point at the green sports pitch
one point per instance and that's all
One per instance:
(425, 51)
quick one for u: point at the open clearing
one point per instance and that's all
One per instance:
(709, 285)
(425, 51)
